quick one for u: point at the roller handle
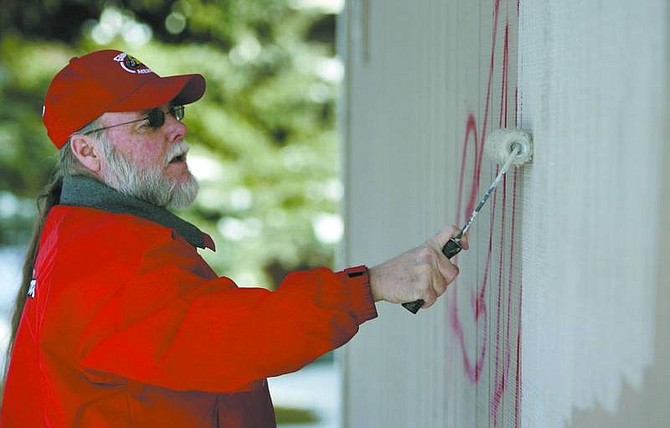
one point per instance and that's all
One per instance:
(450, 249)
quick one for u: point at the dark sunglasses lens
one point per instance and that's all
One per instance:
(156, 118)
(177, 112)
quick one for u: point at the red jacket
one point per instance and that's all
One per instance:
(129, 327)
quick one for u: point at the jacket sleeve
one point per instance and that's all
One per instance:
(170, 327)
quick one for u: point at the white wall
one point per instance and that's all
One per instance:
(553, 314)
(592, 79)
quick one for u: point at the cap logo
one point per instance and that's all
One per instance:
(131, 64)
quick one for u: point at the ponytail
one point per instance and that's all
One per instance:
(47, 199)
(67, 165)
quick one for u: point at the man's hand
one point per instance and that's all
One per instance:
(421, 273)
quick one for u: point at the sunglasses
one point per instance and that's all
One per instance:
(156, 118)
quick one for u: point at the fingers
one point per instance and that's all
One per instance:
(430, 301)
(437, 273)
(445, 275)
(440, 238)
(448, 270)
(465, 242)
(464, 237)
(442, 271)
(438, 288)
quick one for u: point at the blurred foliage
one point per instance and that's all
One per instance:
(264, 144)
(292, 416)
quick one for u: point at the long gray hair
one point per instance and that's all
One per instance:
(67, 165)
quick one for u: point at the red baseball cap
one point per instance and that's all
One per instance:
(109, 81)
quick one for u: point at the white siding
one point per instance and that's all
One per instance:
(554, 310)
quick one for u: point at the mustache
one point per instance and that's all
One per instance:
(178, 150)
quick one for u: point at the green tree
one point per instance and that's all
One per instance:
(263, 136)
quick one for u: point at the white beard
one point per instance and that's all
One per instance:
(149, 185)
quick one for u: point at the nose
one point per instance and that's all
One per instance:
(176, 130)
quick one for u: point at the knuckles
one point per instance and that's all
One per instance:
(426, 255)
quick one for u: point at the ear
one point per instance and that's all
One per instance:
(86, 152)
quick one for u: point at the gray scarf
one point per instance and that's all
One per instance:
(87, 192)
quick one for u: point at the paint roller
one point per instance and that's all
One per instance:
(507, 146)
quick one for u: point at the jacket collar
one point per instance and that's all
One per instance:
(87, 192)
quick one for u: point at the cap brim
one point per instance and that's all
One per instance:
(181, 89)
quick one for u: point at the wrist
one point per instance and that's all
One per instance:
(374, 275)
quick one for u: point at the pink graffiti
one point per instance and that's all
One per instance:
(477, 311)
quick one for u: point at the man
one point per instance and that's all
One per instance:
(119, 322)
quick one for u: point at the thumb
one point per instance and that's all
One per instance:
(439, 240)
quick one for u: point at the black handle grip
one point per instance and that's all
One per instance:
(450, 249)
(414, 306)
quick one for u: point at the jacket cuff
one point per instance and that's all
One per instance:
(357, 281)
